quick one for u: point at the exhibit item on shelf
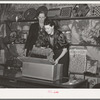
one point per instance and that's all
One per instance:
(95, 11)
(30, 14)
(66, 12)
(12, 15)
(54, 12)
(80, 10)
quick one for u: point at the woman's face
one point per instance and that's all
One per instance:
(49, 29)
(41, 17)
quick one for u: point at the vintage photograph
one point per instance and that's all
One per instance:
(50, 45)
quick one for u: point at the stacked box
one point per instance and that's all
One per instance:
(77, 60)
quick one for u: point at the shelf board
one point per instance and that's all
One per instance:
(85, 45)
(57, 18)
(21, 20)
(75, 45)
(74, 18)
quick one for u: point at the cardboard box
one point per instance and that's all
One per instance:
(41, 69)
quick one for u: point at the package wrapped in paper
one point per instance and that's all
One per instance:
(41, 52)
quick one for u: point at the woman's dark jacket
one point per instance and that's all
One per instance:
(60, 41)
(32, 37)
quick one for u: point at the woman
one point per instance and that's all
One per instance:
(35, 30)
(57, 41)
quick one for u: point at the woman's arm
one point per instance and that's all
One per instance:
(64, 51)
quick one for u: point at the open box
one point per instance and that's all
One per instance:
(41, 69)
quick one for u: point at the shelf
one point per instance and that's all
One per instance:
(74, 18)
(57, 18)
(21, 20)
(74, 44)
(85, 45)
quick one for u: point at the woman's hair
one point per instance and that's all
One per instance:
(49, 22)
(41, 12)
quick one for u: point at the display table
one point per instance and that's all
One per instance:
(25, 82)
(20, 81)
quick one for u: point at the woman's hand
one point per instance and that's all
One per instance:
(61, 55)
(56, 61)
(24, 52)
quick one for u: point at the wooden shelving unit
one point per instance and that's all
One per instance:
(61, 18)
